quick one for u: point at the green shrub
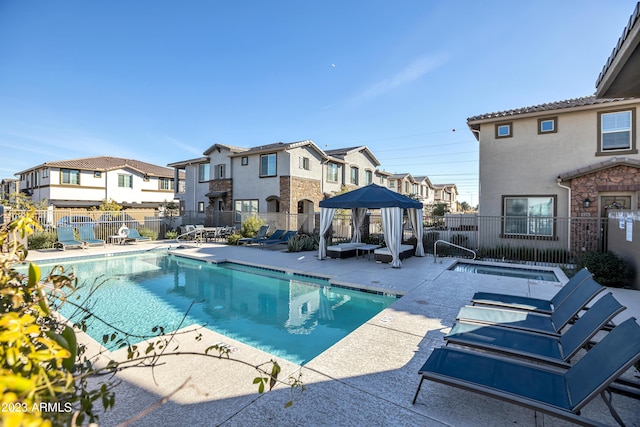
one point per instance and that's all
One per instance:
(171, 234)
(607, 268)
(43, 240)
(233, 239)
(147, 232)
(251, 226)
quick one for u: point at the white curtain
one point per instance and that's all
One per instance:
(357, 219)
(415, 219)
(326, 218)
(392, 228)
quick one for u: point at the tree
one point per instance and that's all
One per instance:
(465, 207)
(440, 209)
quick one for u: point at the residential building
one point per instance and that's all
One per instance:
(275, 178)
(572, 158)
(88, 181)
(418, 187)
(447, 194)
(8, 186)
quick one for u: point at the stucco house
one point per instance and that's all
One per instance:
(447, 194)
(418, 187)
(8, 186)
(274, 178)
(572, 158)
(88, 181)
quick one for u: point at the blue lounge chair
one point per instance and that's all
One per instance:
(535, 322)
(134, 236)
(532, 304)
(88, 236)
(260, 235)
(540, 347)
(561, 393)
(67, 239)
(284, 238)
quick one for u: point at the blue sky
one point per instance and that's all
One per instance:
(161, 81)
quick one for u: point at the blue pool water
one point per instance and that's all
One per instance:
(499, 270)
(292, 316)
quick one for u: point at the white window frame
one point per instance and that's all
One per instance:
(618, 128)
(271, 166)
(70, 175)
(332, 172)
(527, 216)
(125, 180)
(204, 172)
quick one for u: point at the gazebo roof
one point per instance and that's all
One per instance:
(372, 196)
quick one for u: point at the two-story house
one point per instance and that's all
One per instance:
(447, 194)
(275, 178)
(8, 186)
(572, 158)
(88, 181)
(417, 187)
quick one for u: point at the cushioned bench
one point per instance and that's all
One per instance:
(343, 250)
(384, 255)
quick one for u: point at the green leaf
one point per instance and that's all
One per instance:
(288, 404)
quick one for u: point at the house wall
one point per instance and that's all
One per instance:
(528, 163)
(253, 186)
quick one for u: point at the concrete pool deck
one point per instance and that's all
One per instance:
(368, 378)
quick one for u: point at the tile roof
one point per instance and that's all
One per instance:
(106, 163)
(614, 161)
(343, 151)
(550, 106)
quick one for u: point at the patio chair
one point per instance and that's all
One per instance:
(535, 322)
(67, 239)
(561, 393)
(539, 347)
(134, 236)
(284, 238)
(261, 234)
(532, 304)
(88, 236)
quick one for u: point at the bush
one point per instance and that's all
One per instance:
(171, 235)
(608, 269)
(43, 240)
(147, 232)
(251, 226)
(233, 239)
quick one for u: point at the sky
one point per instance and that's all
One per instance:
(161, 81)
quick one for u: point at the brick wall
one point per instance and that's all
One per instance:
(305, 189)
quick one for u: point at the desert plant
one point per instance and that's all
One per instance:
(170, 234)
(607, 268)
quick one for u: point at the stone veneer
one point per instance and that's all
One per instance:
(293, 189)
(220, 185)
(619, 178)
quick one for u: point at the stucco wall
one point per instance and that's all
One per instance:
(528, 163)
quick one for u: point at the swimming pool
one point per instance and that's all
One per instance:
(292, 316)
(501, 270)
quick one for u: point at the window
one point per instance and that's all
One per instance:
(503, 130)
(332, 172)
(529, 216)
(165, 183)
(615, 131)
(201, 207)
(125, 181)
(415, 188)
(204, 172)
(268, 165)
(97, 174)
(219, 171)
(368, 177)
(406, 187)
(245, 207)
(392, 183)
(244, 161)
(354, 175)
(70, 176)
(45, 173)
(304, 163)
(381, 179)
(548, 125)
